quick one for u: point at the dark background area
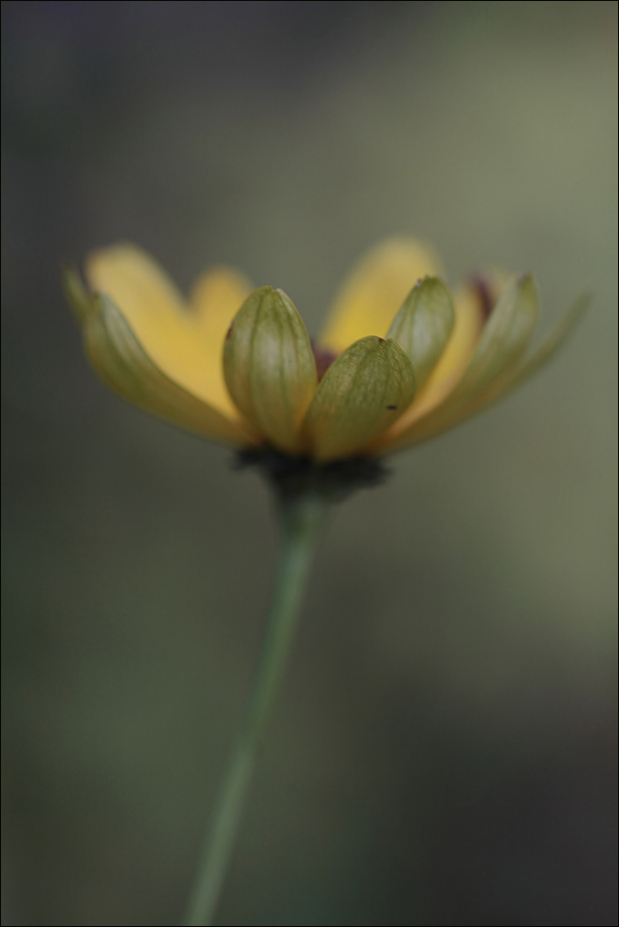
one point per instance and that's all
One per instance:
(444, 750)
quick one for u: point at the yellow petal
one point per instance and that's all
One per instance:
(121, 362)
(134, 281)
(215, 299)
(503, 342)
(185, 345)
(269, 366)
(502, 387)
(469, 322)
(370, 298)
(361, 395)
(505, 337)
(423, 325)
(544, 351)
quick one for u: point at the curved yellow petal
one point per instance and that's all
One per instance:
(468, 326)
(185, 345)
(423, 325)
(506, 384)
(359, 397)
(505, 337)
(377, 287)
(134, 281)
(122, 363)
(545, 350)
(269, 366)
(501, 346)
(215, 299)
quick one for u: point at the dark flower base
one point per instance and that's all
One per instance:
(296, 476)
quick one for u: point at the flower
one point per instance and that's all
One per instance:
(401, 359)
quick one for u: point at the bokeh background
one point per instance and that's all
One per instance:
(444, 750)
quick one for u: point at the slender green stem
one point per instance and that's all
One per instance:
(302, 519)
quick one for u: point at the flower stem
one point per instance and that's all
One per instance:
(302, 518)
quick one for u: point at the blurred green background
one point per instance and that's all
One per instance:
(444, 750)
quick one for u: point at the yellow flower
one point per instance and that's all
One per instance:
(399, 361)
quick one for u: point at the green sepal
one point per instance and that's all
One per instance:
(423, 325)
(504, 340)
(362, 393)
(501, 346)
(269, 366)
(453, 412)
(552, 343)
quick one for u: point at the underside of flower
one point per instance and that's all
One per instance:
(401, 358)
(293, 476)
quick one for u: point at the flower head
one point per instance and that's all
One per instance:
(401, 358)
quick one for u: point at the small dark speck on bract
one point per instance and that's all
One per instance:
(392, 407)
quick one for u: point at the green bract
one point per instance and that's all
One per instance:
(363, 392)
(269, 366)
(423, 325)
